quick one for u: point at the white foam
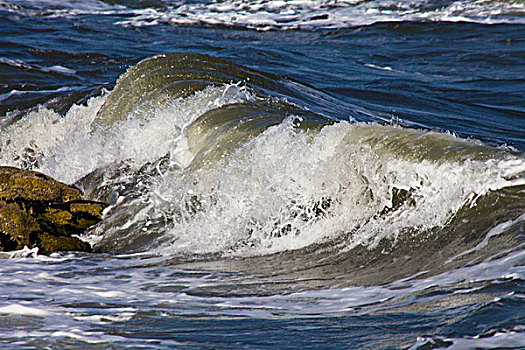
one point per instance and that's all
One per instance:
(22, 253)
(18, 309)
(106, 318)
(278, 14)
(388, 69)
(327, 14)
(79, 334)
(265, 196)
(260, 200)
(61, 8)
(147, 293)
(110, 294)
(66, 148)
(498, 340)
(60, 69)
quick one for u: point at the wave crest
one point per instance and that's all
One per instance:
(202, 158)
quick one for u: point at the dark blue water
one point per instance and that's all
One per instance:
(456, 76)
(399, 226)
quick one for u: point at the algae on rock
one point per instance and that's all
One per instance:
(38, 211)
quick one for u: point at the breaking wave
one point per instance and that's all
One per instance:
(204, 160)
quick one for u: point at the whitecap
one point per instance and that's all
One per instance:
(18, 309)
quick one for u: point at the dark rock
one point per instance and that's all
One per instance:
(38, 211)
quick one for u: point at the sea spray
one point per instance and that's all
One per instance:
(228, 171)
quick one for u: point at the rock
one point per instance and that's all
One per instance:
(33, 186)
(38, 211)
(16, 227)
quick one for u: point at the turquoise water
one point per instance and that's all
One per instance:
(282, 175)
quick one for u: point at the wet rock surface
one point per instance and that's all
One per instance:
(38, 211)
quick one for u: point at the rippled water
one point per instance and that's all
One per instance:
(281, 174)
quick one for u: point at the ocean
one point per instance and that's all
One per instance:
(281, 174)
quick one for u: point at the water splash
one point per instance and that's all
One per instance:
(229, 171)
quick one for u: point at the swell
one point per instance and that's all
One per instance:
(159, 79)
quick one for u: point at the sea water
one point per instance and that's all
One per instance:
(280, 174)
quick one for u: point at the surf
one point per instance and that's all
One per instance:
(206, 162)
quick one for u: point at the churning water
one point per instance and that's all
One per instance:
(281, 174)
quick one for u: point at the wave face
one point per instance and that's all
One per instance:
(287, 15)
(204, 160)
